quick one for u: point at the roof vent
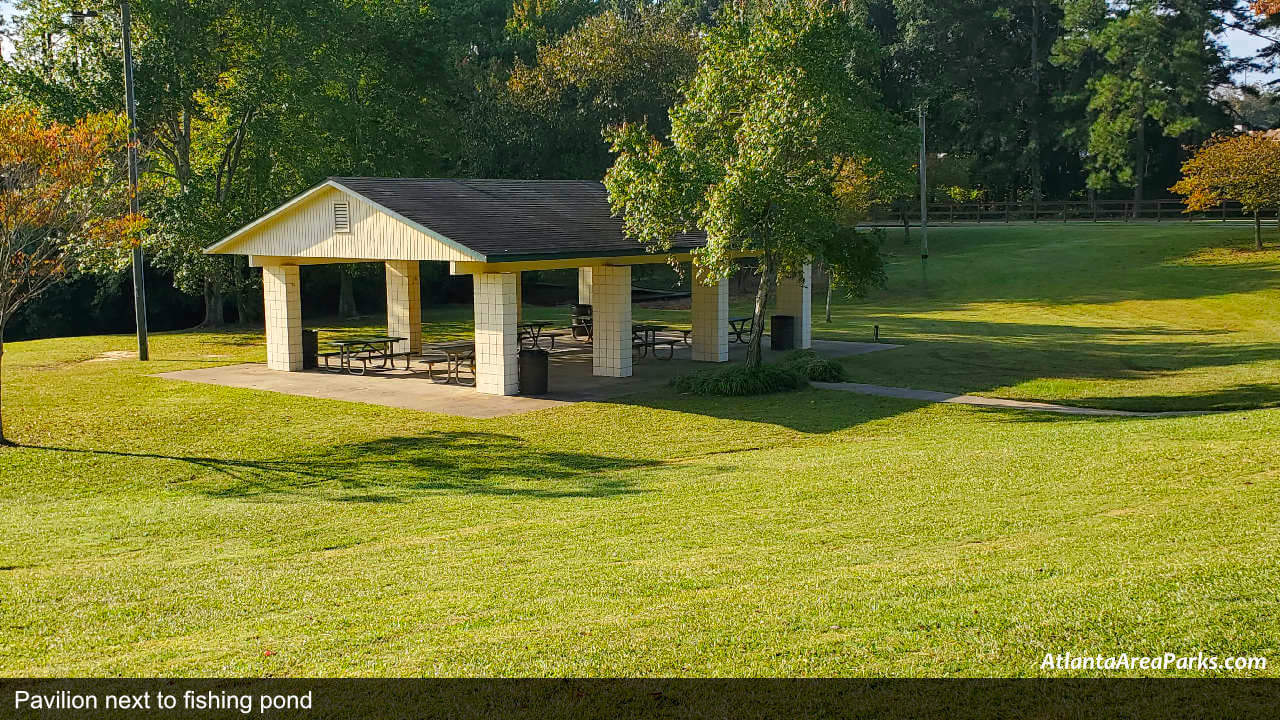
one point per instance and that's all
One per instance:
(341, 217)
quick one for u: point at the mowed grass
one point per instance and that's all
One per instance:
(161, 527)
(1145, 317)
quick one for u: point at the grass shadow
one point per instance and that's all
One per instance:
(396, 469)
(969, 356)
(814, 411)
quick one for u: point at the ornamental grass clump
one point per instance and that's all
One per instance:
(808, 364)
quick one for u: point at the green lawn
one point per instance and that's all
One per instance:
(159, 527)
(1150, 317)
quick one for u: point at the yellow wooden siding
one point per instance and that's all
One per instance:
(306, 231)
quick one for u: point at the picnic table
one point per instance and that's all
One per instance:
(456, 353)
(740, 326)
(644, 337)
(534, 331)
(369, 349)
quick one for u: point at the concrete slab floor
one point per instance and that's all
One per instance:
(570, 381)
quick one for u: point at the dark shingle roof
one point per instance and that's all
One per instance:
(511, 219)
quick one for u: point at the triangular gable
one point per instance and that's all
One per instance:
(304, 227)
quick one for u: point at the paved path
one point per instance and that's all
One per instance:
(943, 397)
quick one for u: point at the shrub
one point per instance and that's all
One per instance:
(809, 364)
(738, 380)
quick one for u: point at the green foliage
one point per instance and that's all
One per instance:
(242, 105)
(782, 96)
(612, 68)
(810, 365)
(1145, 61)
(739, 380)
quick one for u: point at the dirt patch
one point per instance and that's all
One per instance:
(113, 355)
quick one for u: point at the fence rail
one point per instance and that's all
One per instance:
(1006, 211)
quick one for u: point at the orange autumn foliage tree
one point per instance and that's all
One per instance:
(1265, 7)
(1241, 168)
(63, 200)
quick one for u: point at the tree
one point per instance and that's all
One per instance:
(783, 98)
(62, 200)
(1148, 62)
(543, 119)
(1243, 168)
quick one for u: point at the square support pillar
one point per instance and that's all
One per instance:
(404, 304)
(710, 316)
(282, 313)
(584, 285)
(496, 342)
(795, 298)
(611, 318)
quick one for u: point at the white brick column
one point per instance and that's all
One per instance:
(496, 345)
(795, 298)
(710, 317)
(611, 317)
(404, 304)
(584, 285)
(282, 312)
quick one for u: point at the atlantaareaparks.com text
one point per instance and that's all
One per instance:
(1166, 661)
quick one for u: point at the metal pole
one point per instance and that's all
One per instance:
(139, 285)
(924, 194)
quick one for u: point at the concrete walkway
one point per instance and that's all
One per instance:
(571, 380)
(933, 396)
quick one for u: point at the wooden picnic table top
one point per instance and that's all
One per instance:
(451, 345)
(741, 319)
(535, 323)
(369, 340)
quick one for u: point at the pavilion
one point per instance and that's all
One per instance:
(489, 229)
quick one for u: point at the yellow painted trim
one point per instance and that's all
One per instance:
(467, 268)
(265, 260)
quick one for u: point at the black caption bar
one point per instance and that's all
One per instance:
(677, 699)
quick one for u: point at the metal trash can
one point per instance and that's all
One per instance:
(310, 349)
(782, 332)
(534, 366)
(580, 321)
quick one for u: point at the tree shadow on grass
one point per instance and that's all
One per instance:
(813, 411)
(397, 469)
(964, 356)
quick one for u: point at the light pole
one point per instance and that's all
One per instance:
(139, 284)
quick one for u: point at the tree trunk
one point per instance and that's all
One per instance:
(214, 313)
(829, 284)
(755, 355)
(1033, 147)
(346, 296)
(906, 228)
(246, 295)
(1140, 163)
(4, 440)
(246, 311)
(1257, 230)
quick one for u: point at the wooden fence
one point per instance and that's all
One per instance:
(1048, 211)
